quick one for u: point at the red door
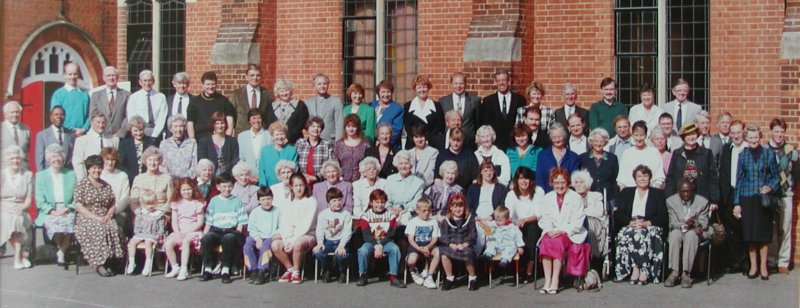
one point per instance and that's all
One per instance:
(33, 114)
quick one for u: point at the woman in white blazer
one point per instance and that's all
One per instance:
(562, 222)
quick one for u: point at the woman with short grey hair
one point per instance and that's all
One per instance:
(332, 177)
(16, 194)
(155, 180)
(441, 191)
(205, 178)
(180, 152)
(369, 167)
(281, 191)
(288, 110)
(54, 187)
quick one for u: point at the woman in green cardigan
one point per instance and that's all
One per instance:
(365, 112)
(54, 187)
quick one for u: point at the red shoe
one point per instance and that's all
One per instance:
(296, 279)
(286, 277)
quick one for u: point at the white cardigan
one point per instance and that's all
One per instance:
(570, 219)
(298, 218)
(499, 158)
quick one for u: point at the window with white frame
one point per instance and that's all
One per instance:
(164, 55)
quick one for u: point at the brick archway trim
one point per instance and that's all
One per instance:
(62, 31)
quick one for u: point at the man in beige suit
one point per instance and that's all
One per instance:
(13, 131)
(688, 218)
(91, 143)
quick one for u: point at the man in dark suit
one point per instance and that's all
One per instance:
(252, 95)
(533, 119)
(55, 133)
(178, 103)
(499, 110)
(570, 94)
(452, 120)
(734, 249)
(112, 102)
(465, 103)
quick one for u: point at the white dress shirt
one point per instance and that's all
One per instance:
(577, 145)
(137, 105)
(250, 90)
(183, 101)
(458, 100)
(508, 101)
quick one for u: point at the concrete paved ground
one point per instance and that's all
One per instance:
(51, 286)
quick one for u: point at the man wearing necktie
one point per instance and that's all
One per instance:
(499, 110)
(682, 110)
(178, 103)
(112, 102)
(148, 104)
(465, 103)
(724, 124)
(14, 132)
(55, 133)
(251, 95)
(91, 143)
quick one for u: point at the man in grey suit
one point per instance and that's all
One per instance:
(724, 120)
(465, 103)
(570, 94)
(704, 139)
(55, 133)
(111, 102)
(681, 109)
(14, 132)
(326, 106)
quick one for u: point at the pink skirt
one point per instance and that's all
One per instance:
(577, 254)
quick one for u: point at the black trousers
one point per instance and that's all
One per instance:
(231, 241)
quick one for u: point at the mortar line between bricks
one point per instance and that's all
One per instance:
(52, 297)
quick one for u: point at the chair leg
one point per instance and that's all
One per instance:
(489, 264)
(316, 269)
(708, 270)
(516, 271)
(536, 268)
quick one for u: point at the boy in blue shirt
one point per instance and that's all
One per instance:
(225, 218)
(262, 225)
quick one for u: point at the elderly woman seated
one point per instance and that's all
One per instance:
(688, 218)
(640, 217)
(281, 191)
(332, 174)
(244, 186)
(595, 210)
(155, 180)
(15, 197)
(369, 167)
(403, 189)
(562, 219)
(54, 187)
(443, 189)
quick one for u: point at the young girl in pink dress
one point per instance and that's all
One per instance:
(188, 216)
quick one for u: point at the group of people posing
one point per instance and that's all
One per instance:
(463, 179)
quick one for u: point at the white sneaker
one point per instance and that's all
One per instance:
(26, 263)
(148, 265)
(183, 274)
(417, 278)
(131, 267)
(174, 272)
(60, 256)
(429, 283)
(18, 265)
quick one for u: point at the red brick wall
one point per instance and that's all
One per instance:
(202, 23)
(442, 29)
(266, 35)
(745, 59)
(309, 41)
(21, 18)
(790, 102)
(573, 42)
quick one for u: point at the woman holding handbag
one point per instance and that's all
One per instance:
(756, 183)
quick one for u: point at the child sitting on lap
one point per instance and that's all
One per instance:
(148, 227)
(503, 238)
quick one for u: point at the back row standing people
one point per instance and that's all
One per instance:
(111, 102)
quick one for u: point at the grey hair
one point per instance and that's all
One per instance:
(107, 68)
(703, 114)
(368, 162)
(599, 132)
(451, 114)
(283, 163)
(320, 75)
(136, 121)
(583, 175)
(145, 74)
(283, 83)
(53, 149)
(150, 152)
(483, 130)
(242, 166)
(175, 118)
(332, 163)
(10, 150)
(567, 86)
(448, 165)
(180, 77)
(7, 106)
(657, 131)
(402, 154)
(556, 127)
(203, 163)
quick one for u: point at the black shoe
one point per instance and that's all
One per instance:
(226, 278)
(261, 277)
(397, 283)
(473, 284)
(765, 278)
(343, 277)
(362, 280)
(206, 276)
(326, 277)
(103, 272)
(253, 277)
(447, 284)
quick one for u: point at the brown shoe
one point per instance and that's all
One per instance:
(783, 270)
(672, 279)
(686, 281)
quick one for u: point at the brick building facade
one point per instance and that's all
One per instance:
(752, 51)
